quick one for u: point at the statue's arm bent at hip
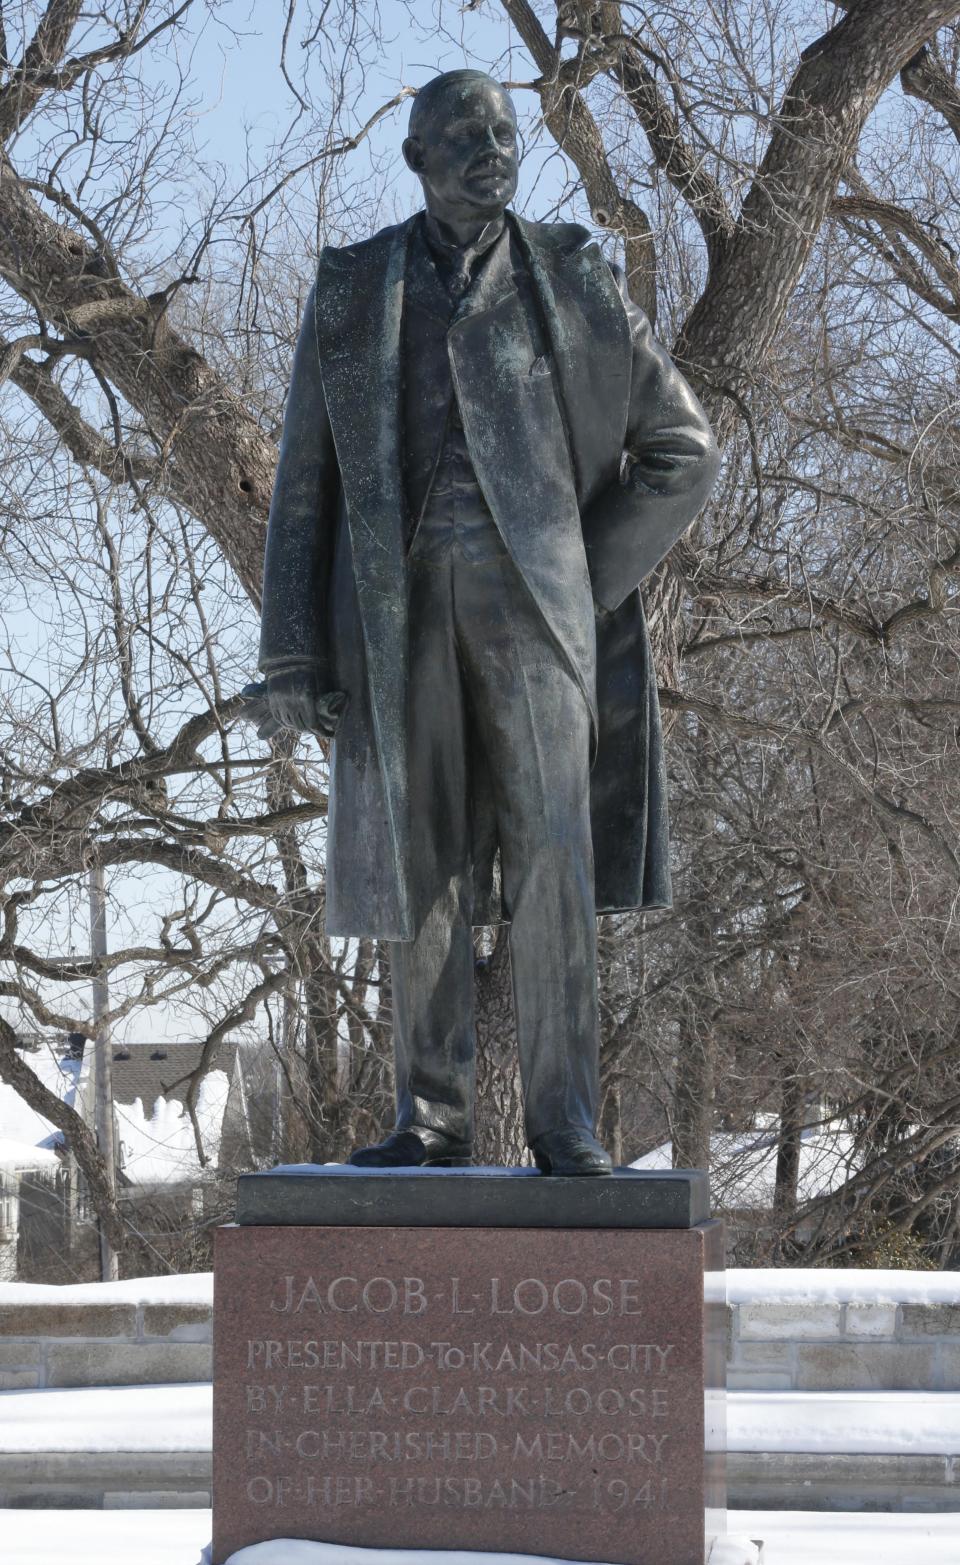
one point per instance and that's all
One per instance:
(670, 466)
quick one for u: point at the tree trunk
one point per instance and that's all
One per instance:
(611, 1124)
(80, 1141)
(329, 1116)
(788, 1150)
(693, 1092)
(500, 1137)
(293, 1137)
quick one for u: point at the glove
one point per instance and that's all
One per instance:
(292, 700)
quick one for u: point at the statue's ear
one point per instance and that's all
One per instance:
(413, 154)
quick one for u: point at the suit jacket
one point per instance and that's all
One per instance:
(592, 472)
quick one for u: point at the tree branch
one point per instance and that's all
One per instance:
(925, 77)
(897, 224)
(815, 134)
(244, 1012)
(678, 160)
(76, 1133)
(84, 443)
(23, 91)
(224, 464)
(760, 728)
(575, 131)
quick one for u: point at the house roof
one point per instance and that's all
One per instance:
(158, 1144)
(150, 1080)
(149, 1071)
(20, 1157)
(743, 1166)
(21, 1123)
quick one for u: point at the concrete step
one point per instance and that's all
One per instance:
(149, 1446)
(844, 1450)
(864, 1481)
(106, 1447)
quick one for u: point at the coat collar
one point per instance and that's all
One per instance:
(450, 249)
(493, 281)
(554, 245)
(359, 323)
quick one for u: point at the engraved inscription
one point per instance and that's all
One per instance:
(530, 1296)
(535, 1418)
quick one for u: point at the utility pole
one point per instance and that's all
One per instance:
(103, 1113)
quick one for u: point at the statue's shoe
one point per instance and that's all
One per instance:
(414, 1148)
(570, 1152)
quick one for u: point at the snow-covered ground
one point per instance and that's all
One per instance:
(817, 1538)
(178, 1537)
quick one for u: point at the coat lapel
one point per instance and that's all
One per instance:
(359, 308)
(590, 338)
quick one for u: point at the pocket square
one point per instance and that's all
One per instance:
(541, 366)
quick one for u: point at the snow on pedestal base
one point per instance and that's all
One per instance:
(736, 1551)
(293, 1551)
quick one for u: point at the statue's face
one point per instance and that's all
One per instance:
(465, 152)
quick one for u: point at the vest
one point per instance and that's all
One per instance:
(441, 487)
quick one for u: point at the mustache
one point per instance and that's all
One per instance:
(489, 163)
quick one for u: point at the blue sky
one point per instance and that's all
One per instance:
(242, 106)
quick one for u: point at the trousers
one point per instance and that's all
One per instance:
(484, 672)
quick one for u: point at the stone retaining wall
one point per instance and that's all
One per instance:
(158, 1331)
(92, 1344)
(854, 1346)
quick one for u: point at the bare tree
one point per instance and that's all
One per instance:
(782, 189)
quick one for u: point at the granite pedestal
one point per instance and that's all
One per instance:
(470, 1359)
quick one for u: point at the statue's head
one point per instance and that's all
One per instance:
(462, 145)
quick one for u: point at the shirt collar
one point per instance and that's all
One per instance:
(443, 244)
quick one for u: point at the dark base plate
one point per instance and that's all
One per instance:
(337, 1195)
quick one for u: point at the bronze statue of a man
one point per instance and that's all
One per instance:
(484, 453)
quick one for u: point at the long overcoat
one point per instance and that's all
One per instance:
(335, 598)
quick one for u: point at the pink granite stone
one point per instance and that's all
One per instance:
(537, 1391)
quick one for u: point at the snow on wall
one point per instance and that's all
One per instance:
(108, 1418)
(186, 1288)
(843, 1285)
(740, 1285)
(179, 1418)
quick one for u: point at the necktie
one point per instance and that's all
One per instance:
(459, 275)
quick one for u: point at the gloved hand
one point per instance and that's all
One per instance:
(293, 700)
